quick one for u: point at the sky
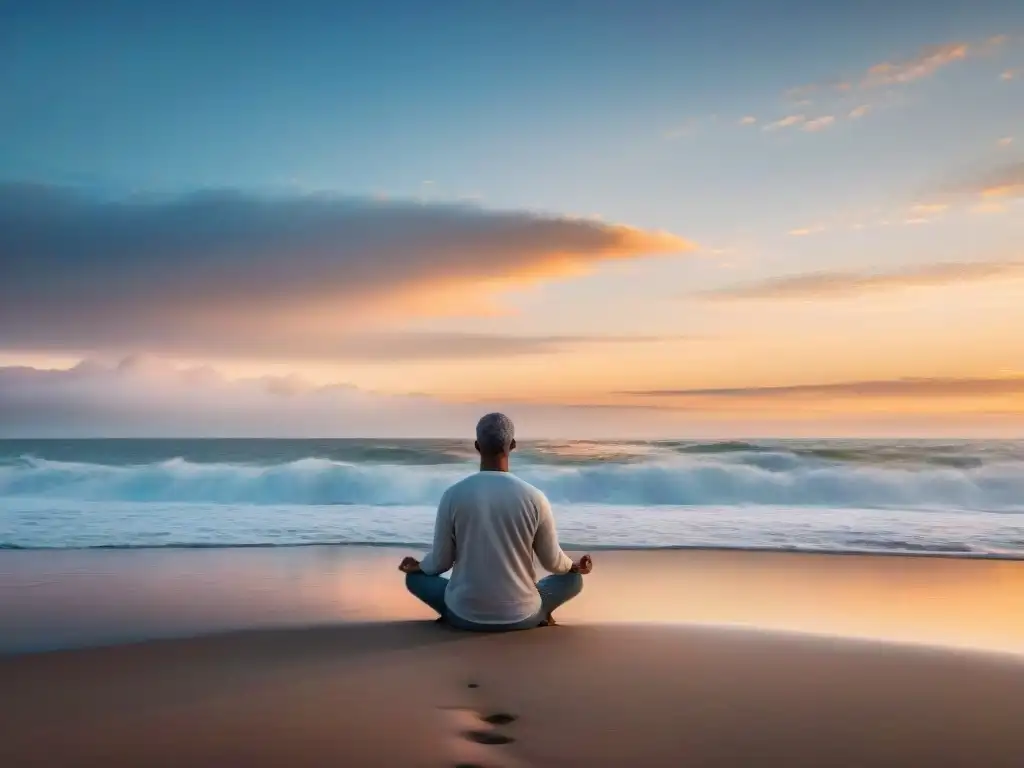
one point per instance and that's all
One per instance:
(609, 219)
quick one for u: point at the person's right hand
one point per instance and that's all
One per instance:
(585, 565)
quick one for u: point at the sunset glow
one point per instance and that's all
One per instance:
(726, 240)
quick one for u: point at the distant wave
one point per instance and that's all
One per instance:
(679, 479)
(962, 454)
(859, 547)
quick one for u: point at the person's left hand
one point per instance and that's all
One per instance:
(409, 565)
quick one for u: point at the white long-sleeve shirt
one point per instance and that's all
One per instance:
(490, 526)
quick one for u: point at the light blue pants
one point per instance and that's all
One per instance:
(555, 591)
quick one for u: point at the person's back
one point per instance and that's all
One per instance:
(500, 522)
(489, 527)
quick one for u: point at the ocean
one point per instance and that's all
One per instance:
(949, 497)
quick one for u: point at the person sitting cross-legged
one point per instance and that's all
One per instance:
(489, 527)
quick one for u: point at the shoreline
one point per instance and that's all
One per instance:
(53, 599)
(567, 546)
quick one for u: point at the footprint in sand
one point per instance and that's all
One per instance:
(477, 738)
(488, 737)
(499, 718)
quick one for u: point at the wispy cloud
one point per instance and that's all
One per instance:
(906, 387)
(995, 184)
(1006, 182)
(806, 231)
(858, 112)
(989, 207)
(748, 120)
(819, 123)
(832, 284)
(1005, 141)
(144, 396)
(786, 122)
(929, 209)
(227, 270)
(927, 62)
(1008, 75)
(404, 346)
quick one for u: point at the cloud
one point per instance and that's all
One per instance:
(999, 183)
(145, 396)
(819, 123)
(859, 112)
(228, 272)
(929, 209)
(927, 62)
(806, 231)
(923, 64)
(832, 284)
(786, 122)
(907, 387)
(1004, 182)
(392, 346)
(989, 206)
(1008, 75)
(748, 120)
(1005, 141)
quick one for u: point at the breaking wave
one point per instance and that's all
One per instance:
(680, 479)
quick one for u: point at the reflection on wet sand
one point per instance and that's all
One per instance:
(69, 598)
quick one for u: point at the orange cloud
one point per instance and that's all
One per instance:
(942, 387)
(929, 61)
(786, 122)
(220, 268)
(1001, 183)
(834, 284)
(1004, 190)
(805, 231)
(819, 123)
(860, 111)
(989, 207)
(928, 209)
(1008, 75)
(925, 63)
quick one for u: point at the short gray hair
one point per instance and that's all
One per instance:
(494, 434)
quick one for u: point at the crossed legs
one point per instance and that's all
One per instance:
(555, 591)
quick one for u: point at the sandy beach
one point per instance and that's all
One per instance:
(310, 658)
(417, 694)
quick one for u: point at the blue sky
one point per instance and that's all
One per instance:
(658, 115)
(382, 96)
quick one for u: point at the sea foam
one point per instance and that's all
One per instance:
(681, 480)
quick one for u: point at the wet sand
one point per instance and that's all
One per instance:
(62, 599)
(331, 663)
(414, 693)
